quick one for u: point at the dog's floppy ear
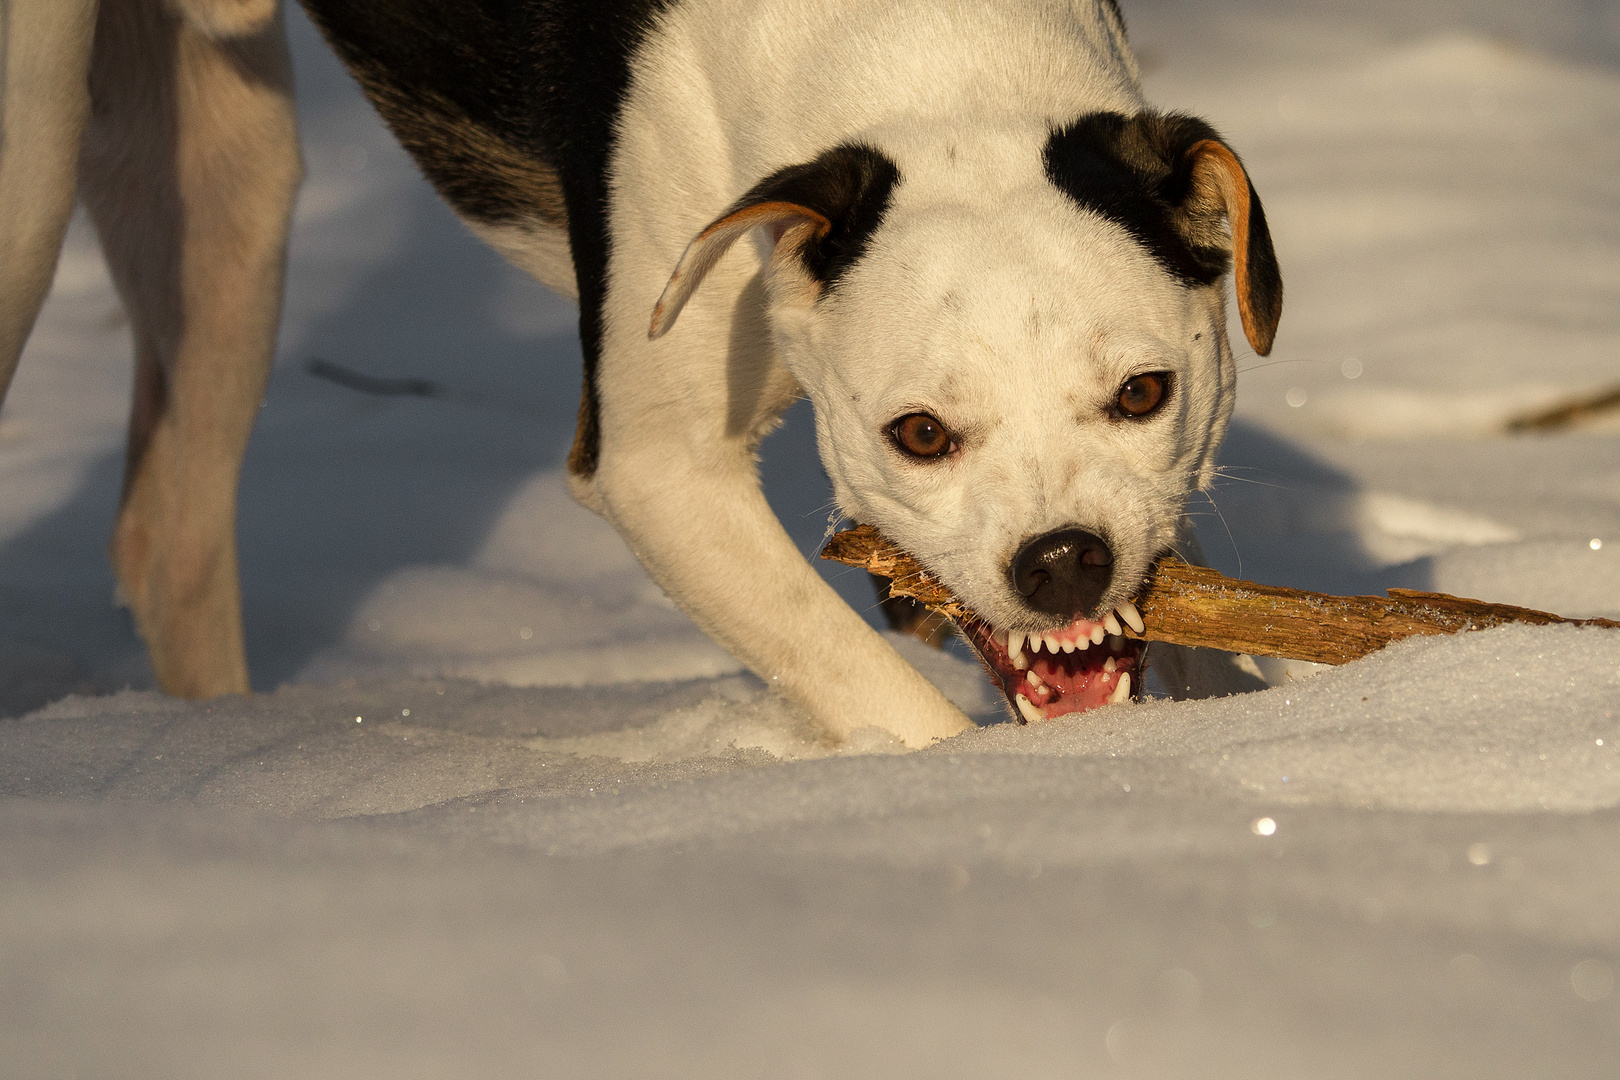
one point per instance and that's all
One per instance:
(820, 213)
(1171, 181)
(1255, 275)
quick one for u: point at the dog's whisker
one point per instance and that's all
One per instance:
(836, 519)
(1276, 363)
(1256, 483)
(1225, 525)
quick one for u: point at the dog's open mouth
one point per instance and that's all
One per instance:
(1068, 670)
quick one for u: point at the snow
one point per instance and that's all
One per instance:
(499, 809)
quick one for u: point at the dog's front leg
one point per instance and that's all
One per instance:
(679, 421)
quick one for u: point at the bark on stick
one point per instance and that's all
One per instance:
(1191, 605)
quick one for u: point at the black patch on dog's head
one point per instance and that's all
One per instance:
(1174, 185)
(850, 186)
(1137, 172)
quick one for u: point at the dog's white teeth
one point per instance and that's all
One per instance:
(1015, 650)
(1097, 634)
(1132, 617)
(1122, 692)
(1034, 679)
(1082, 644)
(1068, 646)
(1110, 665)
(1029, 712)
(1052, 645)
(1111, 624)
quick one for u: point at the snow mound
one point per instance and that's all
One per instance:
(1517, 718)
(1513, 719)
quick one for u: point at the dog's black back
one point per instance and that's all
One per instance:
(508, 107)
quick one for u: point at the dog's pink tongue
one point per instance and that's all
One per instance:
(1072, 682)
(1082, 688)
(1058, 684)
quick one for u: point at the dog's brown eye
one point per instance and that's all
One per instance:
(920, 435)
(1143, 393)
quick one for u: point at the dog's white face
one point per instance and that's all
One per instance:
(1015, 386)
(999, 342)
(1015, 331)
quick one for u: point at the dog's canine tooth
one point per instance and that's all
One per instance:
(1111, 624)
(1132, 617)
(1097, 634)
(1110, 665)
(1029, 712)
(1122, 692)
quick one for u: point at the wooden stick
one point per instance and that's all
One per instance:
(1191, 605)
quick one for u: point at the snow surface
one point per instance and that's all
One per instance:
(500, 810)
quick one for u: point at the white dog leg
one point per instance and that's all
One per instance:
(702, 528)
(677, 477)
(44, 100)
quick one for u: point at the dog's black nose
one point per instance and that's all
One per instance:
(1063, 573)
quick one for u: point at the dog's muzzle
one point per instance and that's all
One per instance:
(1072, 668)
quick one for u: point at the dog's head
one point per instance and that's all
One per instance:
(1017, 351)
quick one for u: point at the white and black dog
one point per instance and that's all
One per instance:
(997, 274)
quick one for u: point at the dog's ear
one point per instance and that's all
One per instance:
(820, 214)
(1255, 275)
(1174, 184)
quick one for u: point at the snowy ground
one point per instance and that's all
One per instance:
(500, 810)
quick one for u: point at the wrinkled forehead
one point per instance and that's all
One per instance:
(1033, 277)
